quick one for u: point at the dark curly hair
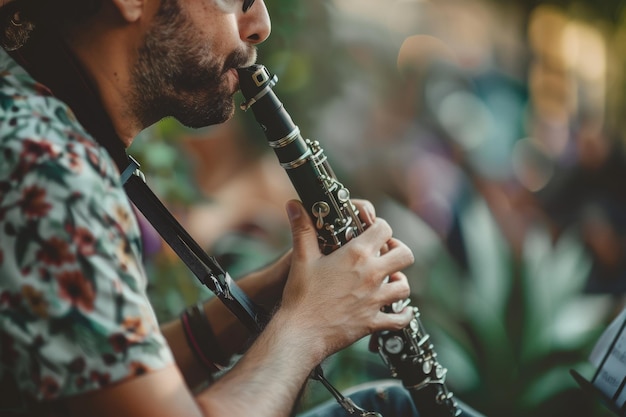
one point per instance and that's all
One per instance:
(20, 17)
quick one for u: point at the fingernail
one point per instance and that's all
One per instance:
(293, 211)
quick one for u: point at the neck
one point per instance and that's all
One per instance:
(105, 55)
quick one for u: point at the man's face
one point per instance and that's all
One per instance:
(185, 66)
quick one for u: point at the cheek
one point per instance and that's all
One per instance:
(224, 38)
(216, 21)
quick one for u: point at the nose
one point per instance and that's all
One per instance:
(255, 25)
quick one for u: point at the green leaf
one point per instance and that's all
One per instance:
(61, 114)
(88, 271)
(19, 317)
(6, 102)
(53, 172)
(9, 229)
(25, 236)
(150, 346)
(88, 334)
(129, 280)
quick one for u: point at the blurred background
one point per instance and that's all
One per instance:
(488, 133)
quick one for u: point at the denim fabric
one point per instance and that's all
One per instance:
(388, 398)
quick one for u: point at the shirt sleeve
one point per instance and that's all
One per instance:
(74, 314)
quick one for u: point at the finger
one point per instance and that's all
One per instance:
(302, 230)
(393, 321)
(384, 249)
(397, 288)
(376, 235)
(398, 257)
(367, 212)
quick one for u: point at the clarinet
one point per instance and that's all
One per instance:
(408, 353)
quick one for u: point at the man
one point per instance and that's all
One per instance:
(78, 333)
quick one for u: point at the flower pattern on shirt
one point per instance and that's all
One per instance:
(74, 315)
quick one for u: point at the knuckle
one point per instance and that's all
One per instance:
(358, 251)
(399, 322)
(402, 291)
(391, 322)
(383, 224)
(369, 207)
(407, 253)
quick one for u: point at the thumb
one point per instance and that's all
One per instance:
(302, 230)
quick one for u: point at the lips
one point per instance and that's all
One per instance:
(240, 59)
(232, 73)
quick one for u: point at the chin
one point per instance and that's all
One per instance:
(208, 117)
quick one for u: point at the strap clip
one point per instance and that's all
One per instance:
(132, 168)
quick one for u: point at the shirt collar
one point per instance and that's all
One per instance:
(8, 65)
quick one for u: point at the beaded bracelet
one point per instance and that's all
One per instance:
(201, 338)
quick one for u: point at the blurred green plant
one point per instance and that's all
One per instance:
(509, 330)
(168, 171)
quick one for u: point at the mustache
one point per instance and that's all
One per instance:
(240, 58)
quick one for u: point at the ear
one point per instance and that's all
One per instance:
(130, 10)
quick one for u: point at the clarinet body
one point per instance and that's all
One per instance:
(409, 352)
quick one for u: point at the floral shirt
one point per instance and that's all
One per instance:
(74, 315)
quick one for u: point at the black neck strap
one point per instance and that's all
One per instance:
(204, 267)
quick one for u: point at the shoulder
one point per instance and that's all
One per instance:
(41, 139)
(51, 165)
(70, 254)
(26, 103)
(31, 118)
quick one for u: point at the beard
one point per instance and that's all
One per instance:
(177, 74)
